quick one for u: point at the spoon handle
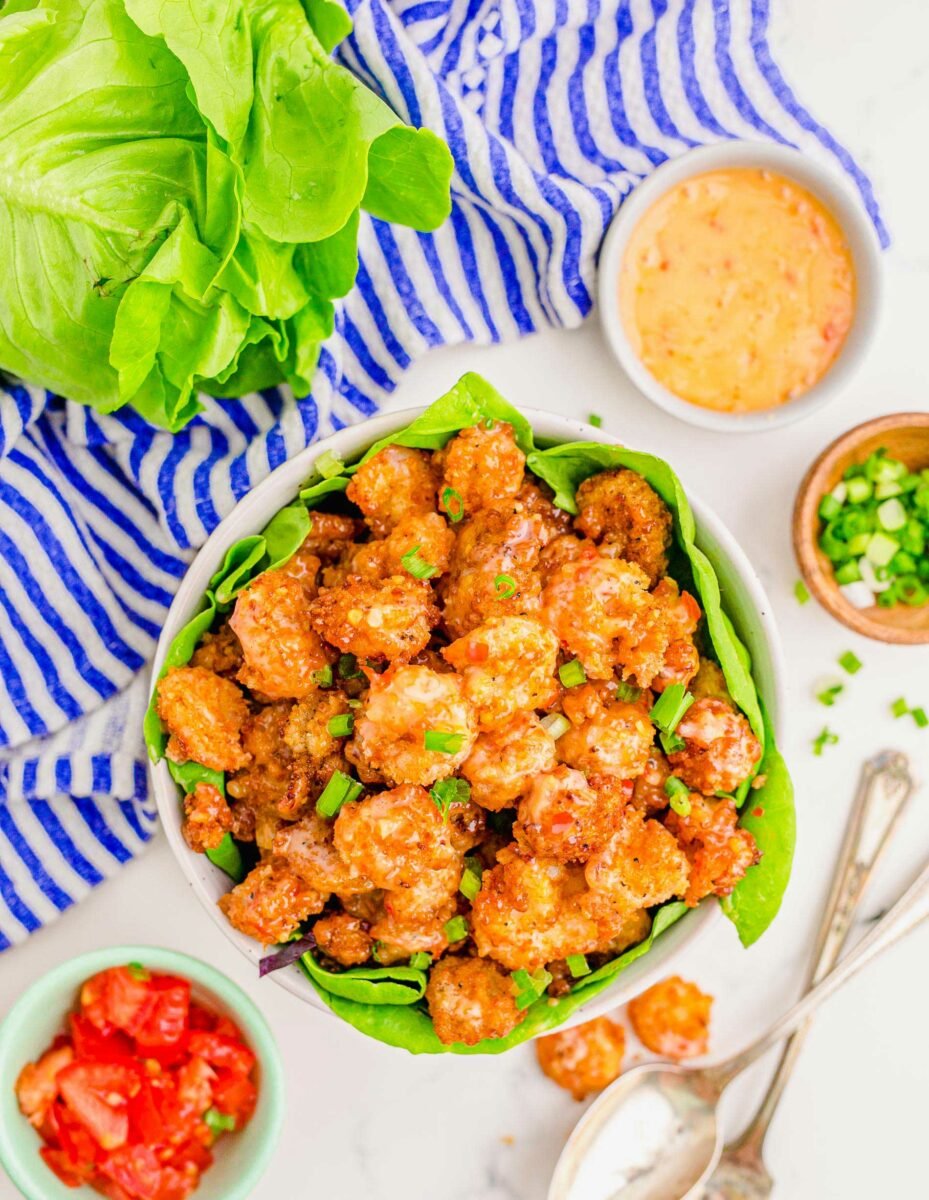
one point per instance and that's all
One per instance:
(885, 786)
(900, 920)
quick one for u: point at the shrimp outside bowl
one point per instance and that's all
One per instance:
(463, 719)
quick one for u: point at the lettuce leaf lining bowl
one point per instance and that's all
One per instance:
(268, 524)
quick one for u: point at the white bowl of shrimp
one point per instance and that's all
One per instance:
(405, 659)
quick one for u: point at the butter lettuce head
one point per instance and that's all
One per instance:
(387, 1002)
(180, 193)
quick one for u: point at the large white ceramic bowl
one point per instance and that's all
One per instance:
(836, 194)
(746, 603)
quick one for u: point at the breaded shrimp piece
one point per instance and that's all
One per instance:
(618, 929)
(536, 497)
(394, 837)
(263, 785)
(402, 706)
(395, 483)
(219, 652)
(468, 826)
(270, 902)
(203, 714)
(672, 1018)
(504, 760)
(720, 749)
(471, 999)
(304, 567)
(427, 535)
(664, 652)
(414, 919)
(648, 790)
(563, 817)
(640, 866)
(585, 1059)
(492, 572)
(388, 619)
(281, 651)
(618, 506)
(344, 938)
(207, 818)
(607, 736)
(309, 849)
(507, 666)
(484, 466)
(720, 852)
(710, 681)
(306, 730)
(562, 549)
(595, 605)
(329, 534)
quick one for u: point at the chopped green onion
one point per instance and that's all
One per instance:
(891, 515)
(341, 725)
(353, 703)
(849, 572)
(670, 707)
(678, 794)
(911, 590)
(447, 792)
(505, 586)
(823, 739)
(899, 708)
(859, 490)
(628, 692)
(829, 507)
(219, 1122)
(530, 987)
(881, 549)
(670, 742)
(329, 465)
(420, 960)
(323, 677)
(829, 695)
(596, 420)
(850, 662)
(801, 592)
(456, 929)
(572, 673)
(453, 504)
(443, 743)
(886, 490)
(348, 667)
(919, 716)
(137, 971)
(416, 566)
(470, 883)
(340, 789)
(578, 965)
(376, 952)
(555, 724)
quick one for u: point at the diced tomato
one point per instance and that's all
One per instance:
(195, 1086)
(93, 1000)
(166, 1023)
(146, 1123)
(221, 1051)
(228, 1028)
(235, 1095)
(37, 1085)
(59, 1162)
(129, 1001)
(98, 1094)
(110, 1189)
(193, 1153)
(104, 1045)
(178, 1184)
(72, 1138)
(136, 1169)
(200, 1018)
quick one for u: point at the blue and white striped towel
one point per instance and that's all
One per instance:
(553, 110)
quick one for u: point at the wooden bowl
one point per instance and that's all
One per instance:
(904, 436)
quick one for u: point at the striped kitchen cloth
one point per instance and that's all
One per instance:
(553, 110)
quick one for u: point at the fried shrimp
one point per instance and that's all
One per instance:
(584, 1059)
(329, 535)
(219, 652)
(403, 706)
(309, 848)
(504, 760)
(394, 483)
(607, 736)
(562, 816)
(507, 665)
(281, 651)
(344, 938)
(270, 902)
(648, 790)
(483, 465)
(640, 866)
(471, 999)
(719, 851)
(393, 837)
(377, 619)
(535, 498)
(426, 536)
(203, 714)
(672, 1018)
(720, 749)
(621, 509)
(264, 784)
(207, 818)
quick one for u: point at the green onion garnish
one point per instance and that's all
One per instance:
(823, 739)
(670, 742)
(530, 987)
(555, 724)
(219, 1122)
(596, 420)
(899, 708)
(376, 952)
(919, 716)
(572, 673)
(341, 725)
(678, 795)
(443, 743)
(137, 971)
(453, 504)
(447, 792)
(505, 586)
(830, 694)
(323, 677)
(418, 567)
(850, 662)
(628, 692)
(340, 789)
(328, 465)
(801, 592)
(456, 929)
(470, 883)
(670, 707)
(578, 965)
(420, 960)
(348, 667)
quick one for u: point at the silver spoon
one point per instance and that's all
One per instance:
(654, 1133)
(885, 786)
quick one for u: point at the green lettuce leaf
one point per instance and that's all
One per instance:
(371, 986)
(227, 855)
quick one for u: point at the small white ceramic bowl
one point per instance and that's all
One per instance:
(740, 585)
(835, 193)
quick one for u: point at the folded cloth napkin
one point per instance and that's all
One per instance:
(553, 110)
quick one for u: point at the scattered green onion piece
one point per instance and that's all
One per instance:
(329, 465)
(891, 515)
(823, 739)
(881, 549)
(420, 960)
(670, 742)
(441, 742)
(470, 883)
(887, 489)
(340, 789)
(919, 716)
(849, 572)
(578, 965)
(555, 724)
(678, 794)
(670, 707)
(416, 566)
(911, 590)
(353, 703)
(323, 677)
(505, 586)
(596, 420)
(859, 490)
(348, 667)
(572, 673)
(530, 987)
(137, 971)
(829, 507)
(341, 725)
(447, 792)
(850, 662)
(899, 708)
(219, 1122)
(453, 504)
(829, 695)
(801, 592)
(628, 692)
(456, 929)
(376, 952)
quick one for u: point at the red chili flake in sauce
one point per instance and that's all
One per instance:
(477, 652)
(758, 811)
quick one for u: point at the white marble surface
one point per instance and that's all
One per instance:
(369, 1123)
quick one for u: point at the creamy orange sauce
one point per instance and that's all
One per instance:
(737, 290)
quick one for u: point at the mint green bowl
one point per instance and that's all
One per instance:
(39, 1015)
